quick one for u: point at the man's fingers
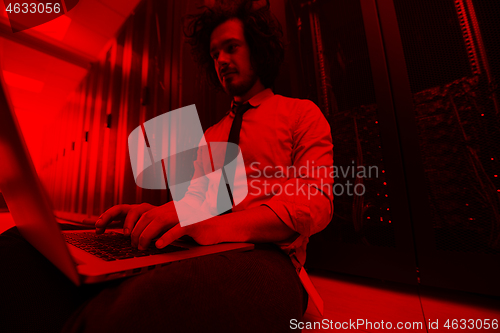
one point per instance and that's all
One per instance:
(89, 221)
(153, 229)
(163, 220)
(132, 217)
(118, 212)
(139, 227)
(173, 234)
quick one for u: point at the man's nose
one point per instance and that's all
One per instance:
(223, 59)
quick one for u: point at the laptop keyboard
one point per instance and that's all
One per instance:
(111, 246)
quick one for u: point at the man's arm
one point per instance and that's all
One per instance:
(291, 214)
(304, 207)
(306, 204)
(254, 225)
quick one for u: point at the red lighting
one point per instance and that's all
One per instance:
(23, 82)
(56, 28)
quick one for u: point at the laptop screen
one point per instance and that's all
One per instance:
(25, 196)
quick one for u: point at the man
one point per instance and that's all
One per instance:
(297, 127)
(240, 49)
(285, 144)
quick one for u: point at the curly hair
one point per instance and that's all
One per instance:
(262, 32)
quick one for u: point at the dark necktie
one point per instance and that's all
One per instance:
(231, 154)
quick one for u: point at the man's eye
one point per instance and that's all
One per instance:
(215, 56)
(231, 47)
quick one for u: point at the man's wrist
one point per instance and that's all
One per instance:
(227, 228)
(254, 225)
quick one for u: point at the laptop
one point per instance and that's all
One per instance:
(81, 255)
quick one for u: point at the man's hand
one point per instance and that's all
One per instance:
(145, 222)
(206, 232)
(127, 214)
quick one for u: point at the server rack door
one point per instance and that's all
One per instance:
(345, 73)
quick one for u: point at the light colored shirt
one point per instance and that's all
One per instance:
(287, 151)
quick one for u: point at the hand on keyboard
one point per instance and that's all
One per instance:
(145, 222)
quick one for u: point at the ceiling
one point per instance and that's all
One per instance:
(43, 65)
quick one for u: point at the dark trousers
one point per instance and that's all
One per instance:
(254, 291)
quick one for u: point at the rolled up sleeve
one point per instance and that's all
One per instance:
(306, 202)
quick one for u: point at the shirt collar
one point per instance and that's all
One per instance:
(256, 100)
